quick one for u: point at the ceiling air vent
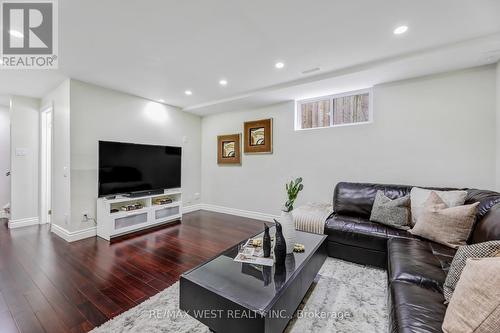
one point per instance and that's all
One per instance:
(312, 70)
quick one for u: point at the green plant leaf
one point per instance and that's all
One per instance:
(292, 190)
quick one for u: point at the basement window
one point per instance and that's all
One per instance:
(335, 110)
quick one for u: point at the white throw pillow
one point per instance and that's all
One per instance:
(418, 196)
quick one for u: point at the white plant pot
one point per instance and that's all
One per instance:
(288, 226)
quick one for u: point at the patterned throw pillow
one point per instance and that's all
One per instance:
(479, 250)
(394, 213)
(450, 226)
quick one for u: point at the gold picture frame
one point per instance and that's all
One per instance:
(229, 149)
(258, 136)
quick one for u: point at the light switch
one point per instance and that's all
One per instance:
(21, 151)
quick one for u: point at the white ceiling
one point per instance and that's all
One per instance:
(159, 48)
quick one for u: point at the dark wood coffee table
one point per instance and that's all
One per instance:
(229, 296)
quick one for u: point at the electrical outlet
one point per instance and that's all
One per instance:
(87, 218)
(196, 196)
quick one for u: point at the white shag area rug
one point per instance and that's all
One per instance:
(358, 294)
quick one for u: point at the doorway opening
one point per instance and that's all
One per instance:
(46, 165)
(4, 158)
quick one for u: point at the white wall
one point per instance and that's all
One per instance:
(498, 129)
(437, 130)
(102, 114)
(61, 202)
(4, 155)
(25, 113)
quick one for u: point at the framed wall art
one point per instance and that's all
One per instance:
(259, 136)
(228, 149)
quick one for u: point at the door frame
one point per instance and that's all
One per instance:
(46, 159)
(8, 171)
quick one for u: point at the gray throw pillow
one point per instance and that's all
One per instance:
(479, 250)
(394, 213)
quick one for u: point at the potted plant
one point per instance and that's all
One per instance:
(288, 226)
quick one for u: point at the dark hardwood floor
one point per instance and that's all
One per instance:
(48, 285)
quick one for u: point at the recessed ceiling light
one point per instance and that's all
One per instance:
(161, 100)
(188, 92)
(16, 33)
(279, 65)
(400, 30)
(223, 82)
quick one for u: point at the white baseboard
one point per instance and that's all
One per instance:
(73, 236)
(191, 208)
(23, 222)
(239, 212)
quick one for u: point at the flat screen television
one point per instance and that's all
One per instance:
(128, 168)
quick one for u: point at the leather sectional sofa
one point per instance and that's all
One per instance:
(416, 267)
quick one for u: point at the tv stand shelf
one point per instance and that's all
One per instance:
(114, 220)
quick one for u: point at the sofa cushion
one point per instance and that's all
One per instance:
(414, 308)
(360, 232)
(358, 255)
(356, 199)
(488, 227)
(486, 199)
(418, 262)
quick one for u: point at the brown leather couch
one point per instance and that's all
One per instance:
(416, 268)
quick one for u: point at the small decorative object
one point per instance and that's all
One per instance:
(257, 242)
(266, 242)
(286, 219)
(162, 201)
(134, 206)
(299, 248)
(280, 245)
(259, 136)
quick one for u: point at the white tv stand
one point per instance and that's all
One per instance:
(112, 223)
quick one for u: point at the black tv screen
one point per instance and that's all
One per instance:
(128, 167)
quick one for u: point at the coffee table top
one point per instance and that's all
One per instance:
(255, 287)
